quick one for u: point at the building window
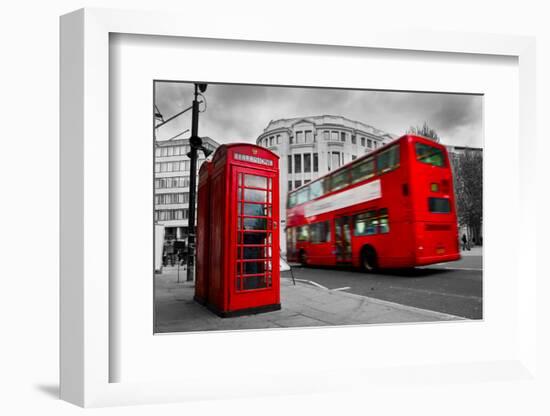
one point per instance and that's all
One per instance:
(315, 162)
(353, 139)
(175, 198)
(369, 143)
(335, 160)
(353, 157)
(289, 186)
(271, 140)
(297, 184)
(298, 163)
(326, 134)
(171, 214)
(299, 137)
(342, 136)
(334, 136)
(375, 145)
(177, 166)
(309, 136)
(173, 182)
(289, 163)
(291, 140)
(307, 181)
(362, 141)
(307, 162)
(278, 139)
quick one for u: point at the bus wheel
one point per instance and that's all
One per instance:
(303, 258)
(369, 261)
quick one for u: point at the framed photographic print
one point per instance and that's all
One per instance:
(348, 221)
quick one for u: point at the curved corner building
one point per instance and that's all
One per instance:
(310, 147)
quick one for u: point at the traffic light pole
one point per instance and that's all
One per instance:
(195, 142)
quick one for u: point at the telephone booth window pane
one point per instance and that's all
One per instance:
(255, 181)
(254, 195)
(255, 223)
(256, 239)
(254, 209)
(255, 282)
(251, 253)
(254, 267)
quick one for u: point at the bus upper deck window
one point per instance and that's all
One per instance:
(388, 159)
(316, 189)
(292, 200)
(429, 154)
(340, 180)
(362, 170)
(302, 195)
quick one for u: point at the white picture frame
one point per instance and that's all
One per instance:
(85, 210)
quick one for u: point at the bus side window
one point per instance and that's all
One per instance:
(319, 232)
(388, 159)
(316, 189)
(384, 224)
(303, 233)
(302, 195)
(340, 179)
(366, 223)
(362, 170)
(291, 200)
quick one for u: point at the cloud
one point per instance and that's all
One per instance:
(241, 112)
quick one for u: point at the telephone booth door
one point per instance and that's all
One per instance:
(255, 236)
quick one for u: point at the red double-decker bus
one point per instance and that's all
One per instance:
(392, 208)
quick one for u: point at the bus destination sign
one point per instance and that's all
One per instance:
(253, 159)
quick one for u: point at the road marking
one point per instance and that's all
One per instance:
(311, 282)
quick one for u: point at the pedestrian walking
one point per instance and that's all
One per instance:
(464, 242)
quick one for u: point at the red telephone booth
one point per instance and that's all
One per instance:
(203, 232)
(240, 272)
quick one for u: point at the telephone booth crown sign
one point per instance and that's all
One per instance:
(238, 220)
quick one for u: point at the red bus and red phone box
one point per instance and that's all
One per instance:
(392, 208)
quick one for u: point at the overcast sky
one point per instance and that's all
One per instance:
(241, 112)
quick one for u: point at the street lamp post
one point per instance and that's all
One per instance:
(196, 143)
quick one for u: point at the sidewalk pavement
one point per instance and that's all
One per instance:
(303, 305)
(474, 251)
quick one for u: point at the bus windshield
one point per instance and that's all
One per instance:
(429, 154)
